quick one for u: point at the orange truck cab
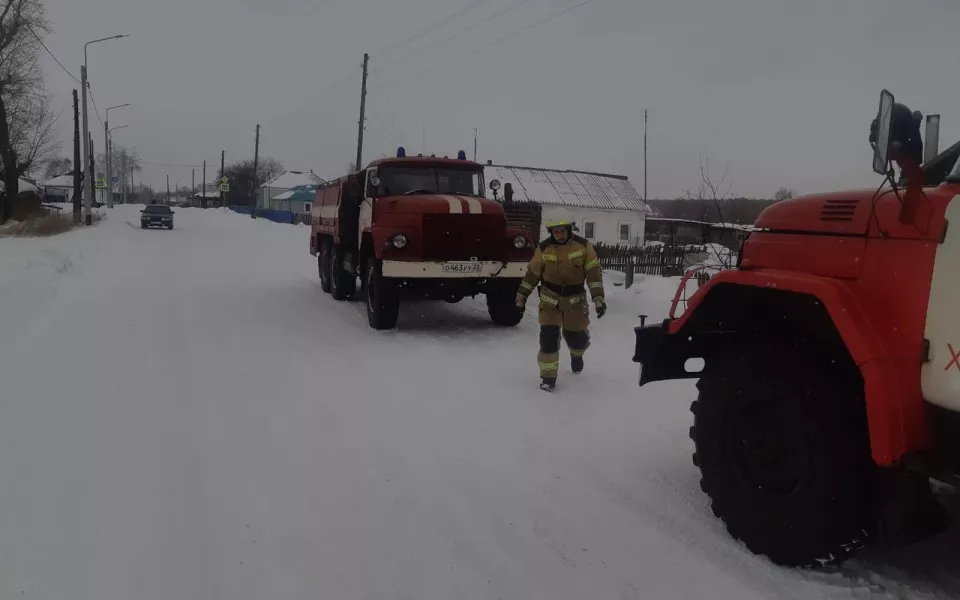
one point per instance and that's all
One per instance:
(418, 226)
(828, 360)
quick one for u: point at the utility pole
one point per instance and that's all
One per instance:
(93, 182)
(363, 111)
(476, 132)
(109, 159)
(77, 161)
(87, 199)
(223, 197)
(123, 176)
(168, 189)
(193, 181)
(203, 191)
(256, 160)
(644, 155)
(106, 159)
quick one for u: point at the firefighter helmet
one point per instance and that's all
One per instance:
(554, 223)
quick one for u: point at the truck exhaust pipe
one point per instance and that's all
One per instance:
(931, 138)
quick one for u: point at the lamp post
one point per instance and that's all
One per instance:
(110, 151)
(107, 155)
(87, 195)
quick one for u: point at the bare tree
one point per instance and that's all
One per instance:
(57, 167)
(28, 125)
(784, 193)
(716, 192)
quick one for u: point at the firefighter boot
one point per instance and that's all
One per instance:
(548, 384)
(576, 363)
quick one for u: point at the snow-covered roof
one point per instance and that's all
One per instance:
(305, 191)
(207, 194)
(63, 181)
(568, 188)
(292, 179)
(25, 186)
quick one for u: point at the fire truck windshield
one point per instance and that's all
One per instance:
(397, 181)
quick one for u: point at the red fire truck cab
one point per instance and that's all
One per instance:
(829, 360)
(417, 226)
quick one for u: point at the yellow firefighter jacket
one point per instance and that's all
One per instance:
(562, 269)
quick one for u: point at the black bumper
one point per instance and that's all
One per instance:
(663, 355)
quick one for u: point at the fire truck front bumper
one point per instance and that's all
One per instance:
(483, 269)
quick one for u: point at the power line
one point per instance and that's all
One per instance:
(504, 38)
(432, 26)
(94, 102)
(156, 164)
(454, 35)
(56, 60)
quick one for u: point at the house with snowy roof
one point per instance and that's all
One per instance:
(283, 183)
(606, 208)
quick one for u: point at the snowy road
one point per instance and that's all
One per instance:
(184, 415)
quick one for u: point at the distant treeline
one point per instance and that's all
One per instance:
(743, 211)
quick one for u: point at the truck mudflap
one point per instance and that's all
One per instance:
(483, 269)
(663, 355)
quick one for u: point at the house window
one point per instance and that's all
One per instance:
(307, 207)
(625, 231)
(589, 229)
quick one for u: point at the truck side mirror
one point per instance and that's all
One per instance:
(880, 134)
(931, 141)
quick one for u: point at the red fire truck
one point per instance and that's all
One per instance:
(418, 226)
(829, 360)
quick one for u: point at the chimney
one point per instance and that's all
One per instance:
(489, 163)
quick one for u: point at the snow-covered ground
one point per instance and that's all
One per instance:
(185, 415)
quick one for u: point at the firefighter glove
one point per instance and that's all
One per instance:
(601, 307)
(521, 301)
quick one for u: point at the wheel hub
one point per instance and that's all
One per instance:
(767, 446)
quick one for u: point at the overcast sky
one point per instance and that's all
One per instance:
(781, 91)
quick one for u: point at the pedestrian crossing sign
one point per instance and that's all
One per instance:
(101, 183)
(224, 187)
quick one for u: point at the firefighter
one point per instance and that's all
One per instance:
(562, 265)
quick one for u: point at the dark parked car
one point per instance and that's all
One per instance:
(156, 215)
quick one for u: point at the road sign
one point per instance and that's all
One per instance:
(101, 183)
(224, 179)
(224, 187)
(116, 180)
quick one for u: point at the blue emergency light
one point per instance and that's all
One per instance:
(401, 152)
(461, 155)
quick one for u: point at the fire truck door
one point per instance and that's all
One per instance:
(366, 205)
(940, 378)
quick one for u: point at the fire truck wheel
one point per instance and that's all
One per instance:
(343, 283)
(502, 304)
(383, 298)
(323, 266)
(784, 453)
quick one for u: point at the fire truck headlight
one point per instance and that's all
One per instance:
(519, 242)
(399, 241)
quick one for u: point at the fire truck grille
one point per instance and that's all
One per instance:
(464, 237)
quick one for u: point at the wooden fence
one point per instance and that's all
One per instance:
(644, 260)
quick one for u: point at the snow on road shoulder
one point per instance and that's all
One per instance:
(217, 426)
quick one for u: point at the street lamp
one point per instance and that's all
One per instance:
(108, 154)
(87, 194)
(123, 176)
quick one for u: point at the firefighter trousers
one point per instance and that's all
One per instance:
(569, 316)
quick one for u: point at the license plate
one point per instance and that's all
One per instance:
(465, 267)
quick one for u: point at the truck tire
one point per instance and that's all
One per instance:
(383, 298)
(784, 453)
(343, 283)
(501, 303)
(323, 266)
